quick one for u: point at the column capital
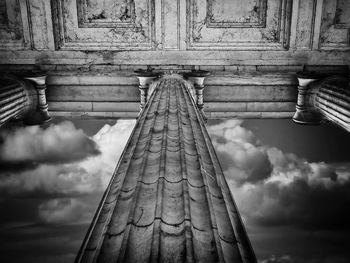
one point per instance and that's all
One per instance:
(145, 77)
(42, 114)
(304, 114)
(39, 80)
(196, 77)
(305, 77)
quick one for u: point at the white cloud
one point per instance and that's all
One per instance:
(111, 141)
(231, 130)
(65, 183)
(239, 152)
(58, 143)
(87, 176)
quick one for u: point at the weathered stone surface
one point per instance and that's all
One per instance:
(226, 94)
(169, 29)
(88, 46)
(168, 200)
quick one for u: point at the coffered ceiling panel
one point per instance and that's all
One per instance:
(239, 24)
(335, 25)
(104, 25)
(14, 27)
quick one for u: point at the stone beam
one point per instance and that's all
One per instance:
(226, 94)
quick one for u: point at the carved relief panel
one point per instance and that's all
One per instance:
(106, 24)
(249, 13)
(107, 13)
(14, 29)
(335, 25)
(239, 24)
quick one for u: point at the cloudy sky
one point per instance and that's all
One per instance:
(51, 181)
(291, 184)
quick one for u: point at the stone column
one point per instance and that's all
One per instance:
(177, 145)
(13, 99)
(41, 115)
(304, 113)
(197, 77)
(146, 77)
(331, 99)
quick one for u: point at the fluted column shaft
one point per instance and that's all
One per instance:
(331, 99)
(327, 98)
(19, 99)
(13, 99)
(168, 199)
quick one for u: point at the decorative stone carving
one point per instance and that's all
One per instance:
(241, 13)
(95, 25)
(245, 25)
(335, 23)
(15, 33)
(108, 13)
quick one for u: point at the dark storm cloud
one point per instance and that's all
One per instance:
(41, 243)
(300, 203)
(64, 210)
(273, 188)
(13, 166)
(27, 147)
